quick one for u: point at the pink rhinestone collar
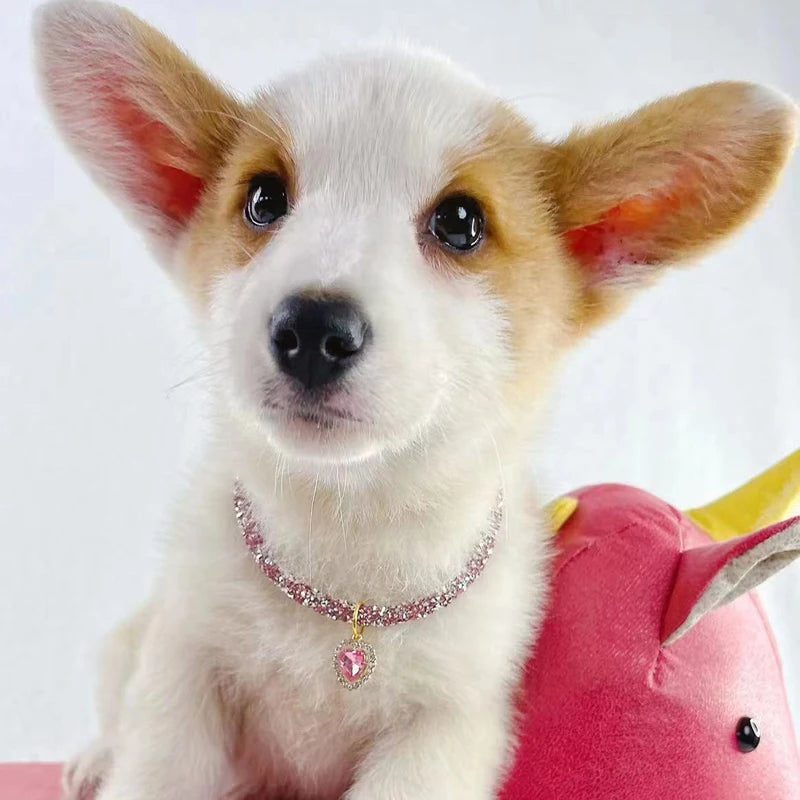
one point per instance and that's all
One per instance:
(362, 614)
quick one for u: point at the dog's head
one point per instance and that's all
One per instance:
(384, 251)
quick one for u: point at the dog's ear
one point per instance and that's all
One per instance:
(666, 183)
(149, 126)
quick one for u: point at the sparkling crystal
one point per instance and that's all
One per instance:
(352, 663)
(370, 615)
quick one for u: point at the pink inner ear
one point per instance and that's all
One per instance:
(620, 238)
(172, 191)
(628, 234)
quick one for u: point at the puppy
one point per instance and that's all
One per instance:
(387, 264)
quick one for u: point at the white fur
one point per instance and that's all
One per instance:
(223, 685)
(387, 511)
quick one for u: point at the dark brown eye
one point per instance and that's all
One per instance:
(267, 200)
(458, 222)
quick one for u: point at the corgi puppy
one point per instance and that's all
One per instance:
(387, 264)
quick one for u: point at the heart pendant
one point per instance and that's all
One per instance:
(354, 662)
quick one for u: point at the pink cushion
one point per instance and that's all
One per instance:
(30, 781)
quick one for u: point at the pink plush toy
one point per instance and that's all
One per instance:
(656, 674)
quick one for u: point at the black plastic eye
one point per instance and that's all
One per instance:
(266, 200)
(458, 222)
(748, 734)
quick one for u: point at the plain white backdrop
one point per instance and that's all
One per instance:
(696, 389)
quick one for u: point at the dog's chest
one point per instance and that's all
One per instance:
(303, 731)
(300, 731)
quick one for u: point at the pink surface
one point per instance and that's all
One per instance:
(610, 713)
(607, 712)
(30, 781)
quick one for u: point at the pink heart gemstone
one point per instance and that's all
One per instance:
(352, 663)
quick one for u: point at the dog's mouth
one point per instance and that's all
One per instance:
(322, 417)
(317, 414)
(333, 425)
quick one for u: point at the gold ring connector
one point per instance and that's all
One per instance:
(358, 630)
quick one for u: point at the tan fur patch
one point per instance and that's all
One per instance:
(520, 257)
(178, 94)
(219, 239)
(715, 142)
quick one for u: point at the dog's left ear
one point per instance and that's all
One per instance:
(666, 183)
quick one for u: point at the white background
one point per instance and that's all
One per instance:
(694, 390)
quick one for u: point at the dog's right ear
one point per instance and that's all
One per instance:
(149, 126)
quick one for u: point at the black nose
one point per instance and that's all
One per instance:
(316, 340)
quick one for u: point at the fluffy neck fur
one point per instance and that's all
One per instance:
(384, 532)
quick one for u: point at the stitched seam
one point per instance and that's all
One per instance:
(575, 555)
(619, 532)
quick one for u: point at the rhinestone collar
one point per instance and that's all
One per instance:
(355, 660)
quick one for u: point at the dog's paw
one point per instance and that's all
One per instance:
(83, 774)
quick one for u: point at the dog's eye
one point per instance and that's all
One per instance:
(748, 734)
(266, 200)
(458, 222)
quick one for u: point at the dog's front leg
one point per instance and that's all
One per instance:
(444, 755)
(171, 743)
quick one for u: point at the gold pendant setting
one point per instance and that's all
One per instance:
(354, 659)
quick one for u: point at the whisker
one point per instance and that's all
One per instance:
(247, 252)
(339, 509)
(206, 372)
(310, 520)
